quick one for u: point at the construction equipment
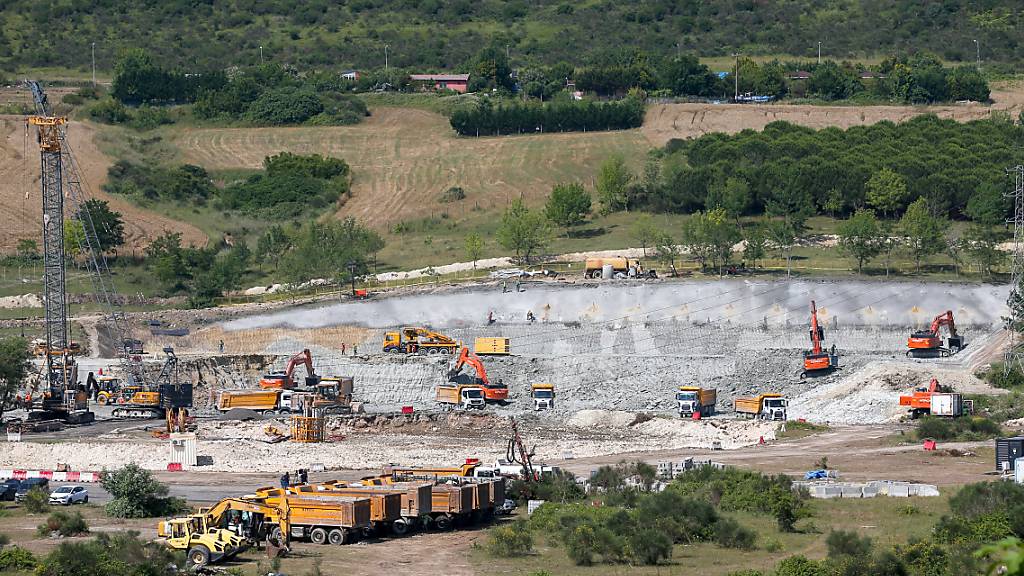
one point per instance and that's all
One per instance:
(543, 395)
(936, 400)
(167, 393)
(763, 407)
(693, 399)
(619, 266)
(200, 544)
(329, 395)
(284, 379)
(816, 360)
(414, 499)
(464, 396)
(219, 532)
(515, 452)
(274, 401)
(61, 179)
(416, 340)
(334, 521)
(385, 507)
(929, 342)
(493, 392)
(492, 346)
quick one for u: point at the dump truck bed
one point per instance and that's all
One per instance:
(449, 499)
(251, 399)
(384, 506)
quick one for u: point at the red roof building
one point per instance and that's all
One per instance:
(456, 82)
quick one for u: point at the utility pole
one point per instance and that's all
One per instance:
(385, 57)
(261, 55)
(819, 53)
(736, 77)
(1013, 357)
(93, 64)
(977, 54)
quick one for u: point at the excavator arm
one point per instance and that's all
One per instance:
(817, 334)
(303, 357)
(277, 515)
(941, 320)
(467, 357)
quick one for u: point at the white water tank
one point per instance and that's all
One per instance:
(607, 272)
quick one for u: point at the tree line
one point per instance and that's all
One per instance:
(434, 34)
(487, 119)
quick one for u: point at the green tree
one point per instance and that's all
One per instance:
(272, 245)
(523, 231)
(330, 249)
(165, 259)
(136, 494)
(108, 224)
(783, 238)
(14, 367)
(74, 238)
(474, 246)
(710, 236)
(923, 232)
(886, 191)
(511, 540)
(667, 251)
(568, 205)
(860, 237)
(982, 246)
(612, 183)
(28, 249)
(732, 195)
(756, 238)
(644, 231)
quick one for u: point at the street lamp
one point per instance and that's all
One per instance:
(385, 57)
(977, 54)
(261, 55)
(736, 77)
(819, 53)
(94, 64)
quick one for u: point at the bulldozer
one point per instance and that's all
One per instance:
(417, 340)
(924, 343)
(493, 392)
(284, 380)
(818, 361)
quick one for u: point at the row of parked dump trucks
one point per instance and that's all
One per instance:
(395, 502)
(693, 401)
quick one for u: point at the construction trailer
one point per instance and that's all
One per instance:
(936, 400)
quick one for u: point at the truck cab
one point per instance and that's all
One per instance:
(543, 396)
(774, 409)
(472, 397)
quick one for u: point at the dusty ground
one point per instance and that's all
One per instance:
(19, 188)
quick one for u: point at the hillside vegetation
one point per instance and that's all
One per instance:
(437, 34)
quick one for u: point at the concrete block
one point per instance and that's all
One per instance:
(869, 491)
(851, 490)
(899, 490)
(924, 490)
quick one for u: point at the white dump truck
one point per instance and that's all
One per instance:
(465, 396)
(543, 396)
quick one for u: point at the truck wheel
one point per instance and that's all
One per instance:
(400, 527)
(443, 523)
(392, 350)
(199, 556)
(336, 537)
(318, 536)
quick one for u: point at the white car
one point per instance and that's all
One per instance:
(68, 495)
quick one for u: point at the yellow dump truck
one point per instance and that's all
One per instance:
(415, 500)
(543, 395)
(450, 503)
(627, 267)
(256, 400)
(465, 396)
(321, 521)
(693, 399)
(763, 407)
(385, 507)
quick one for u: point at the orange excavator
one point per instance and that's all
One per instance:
(817, 360)
(493, 392)
(936, 400)
(284, 380)
(929, 342)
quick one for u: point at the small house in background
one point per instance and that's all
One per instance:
(869, 75)
(799, 75)
(570, 87)
(352, 75)
(456, 82)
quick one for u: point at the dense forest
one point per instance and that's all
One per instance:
(444, 34)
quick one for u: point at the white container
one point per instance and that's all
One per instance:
(946, 405)
(607, 272)
(532, 505)
(1018, 470)
(183, 450)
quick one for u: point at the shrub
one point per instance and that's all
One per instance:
(37, 501)
(282, 106)
(453, 194)
(800, 566)
(963, 428)
(16, 558)
(64, 524)
(729, 534)
(772, 545)
(136, 494)
(109, 111)
(847, 543)
(649, 546)
(118, 553)
(488, 120)
(986, 497)
(999, 377)
(511, 540)
(150, 117)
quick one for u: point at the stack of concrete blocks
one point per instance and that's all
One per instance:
(826, 489)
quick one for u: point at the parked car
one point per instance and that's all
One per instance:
(8, 488)
(28, 484)
(68, 495)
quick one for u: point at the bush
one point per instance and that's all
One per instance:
(150, 117)
(649, 546)
(37, 501)
(999, 377)
(109, 111)
(121, 553)
(453, 194)
(800, 566)
(64, 524)
(136, 494)
(511, 540)
(966, 428)
(729, 534)
(16, 558)
(986, 497)
(571, 116)
(847, 543)
(282, 106)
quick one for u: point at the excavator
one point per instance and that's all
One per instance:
(817, 360)
(929, 342)
(284, 380)
(936, 400)
(417, 340)
(493, 392)
(209, 537)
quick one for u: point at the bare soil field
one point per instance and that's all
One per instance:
(19, 188)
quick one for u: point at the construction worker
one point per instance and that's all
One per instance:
(92, 387)
(303, 475)
(530, 317)
(504, 286)
(286, 480)
(490, 317)
(342, 348)
(221, 346)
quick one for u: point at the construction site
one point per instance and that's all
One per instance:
(410, 407)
